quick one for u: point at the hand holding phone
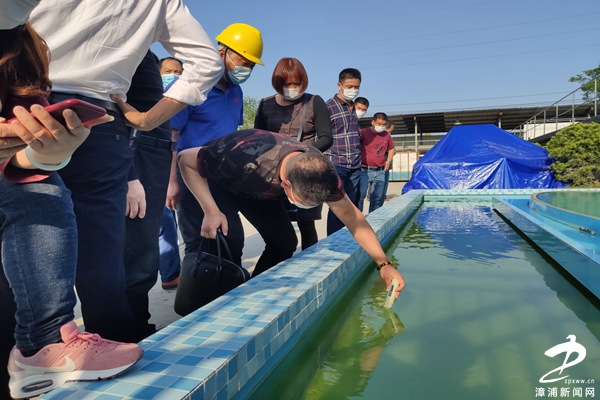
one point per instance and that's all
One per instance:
(50, 143)
(86, 112)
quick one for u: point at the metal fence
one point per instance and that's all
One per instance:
(420, 145)
(551, 119)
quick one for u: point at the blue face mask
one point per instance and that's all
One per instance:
(167, 79)
(239, 74)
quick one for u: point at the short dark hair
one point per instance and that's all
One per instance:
(160, 62)
(289, 68)
(350, 73)
(362, 100)
(380, 115)
(313, 177)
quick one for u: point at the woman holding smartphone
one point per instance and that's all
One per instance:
(37, 228)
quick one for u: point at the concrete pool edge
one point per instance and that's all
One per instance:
(222, 349)
(215, 352)
(562, 249)
(584, 222)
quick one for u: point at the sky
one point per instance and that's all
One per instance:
(422, 56)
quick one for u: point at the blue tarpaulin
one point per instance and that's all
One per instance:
(482, 157)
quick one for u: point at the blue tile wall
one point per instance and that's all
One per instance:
(215, 352)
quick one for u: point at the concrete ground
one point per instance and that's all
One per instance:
(161, 301)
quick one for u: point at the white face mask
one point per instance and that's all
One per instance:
(350, 94)
(379, 129)
(294, 202)
(291, 93)
(301, 205)
(360, 114)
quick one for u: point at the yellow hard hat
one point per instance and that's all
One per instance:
(243, 39)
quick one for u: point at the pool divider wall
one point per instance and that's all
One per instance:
(569, 254)
(573, 218)
(223, 349)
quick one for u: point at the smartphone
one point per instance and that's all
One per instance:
(84, 110)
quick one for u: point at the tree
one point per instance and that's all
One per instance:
(576, 150)
(586, 80)
(250, 108)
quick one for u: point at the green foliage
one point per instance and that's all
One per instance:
(586, 80)
(250, 108)
(576, 150)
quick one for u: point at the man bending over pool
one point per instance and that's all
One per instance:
(250, 171)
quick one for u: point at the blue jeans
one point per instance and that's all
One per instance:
(375, 181)
(385, 186)
(39, 258)
(170, 261)
(351, 182)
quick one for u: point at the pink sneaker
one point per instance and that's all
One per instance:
(82, 357)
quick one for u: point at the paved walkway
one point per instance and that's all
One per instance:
(161, 301)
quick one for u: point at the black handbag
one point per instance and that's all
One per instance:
(205, 276)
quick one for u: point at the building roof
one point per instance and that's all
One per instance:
(507, 118)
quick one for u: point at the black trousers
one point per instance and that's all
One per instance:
(97, 177)
(153, 154)
(189, 217)
(141, 253)
(8, 308)
(269, 217)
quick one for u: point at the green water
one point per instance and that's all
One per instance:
(587, 203)
(480, 308)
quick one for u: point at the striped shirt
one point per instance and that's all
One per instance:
(345, 151)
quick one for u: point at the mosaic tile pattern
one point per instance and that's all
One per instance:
(221, 350)
(486, 193)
